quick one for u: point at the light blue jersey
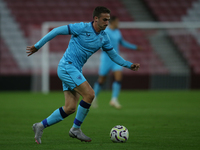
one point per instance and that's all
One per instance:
(116, 39)
(84, 42)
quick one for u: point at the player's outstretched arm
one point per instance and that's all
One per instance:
(120, 61)
(129, 45)
(62, 30)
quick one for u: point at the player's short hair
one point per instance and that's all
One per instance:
(113, 18)
(100, 9)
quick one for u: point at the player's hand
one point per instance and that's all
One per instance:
(31, 50)
(139, 48)
(135, 66)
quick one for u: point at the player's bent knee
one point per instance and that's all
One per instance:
(101, 79)
(90, 96)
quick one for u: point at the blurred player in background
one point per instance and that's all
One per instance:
(86, 39)
(107, 65)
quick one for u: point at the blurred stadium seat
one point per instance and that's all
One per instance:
(7, 62)
(170, 10)
(31, 14)
(37, 11)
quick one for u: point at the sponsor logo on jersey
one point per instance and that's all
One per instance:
(79, 77)
(87, 34)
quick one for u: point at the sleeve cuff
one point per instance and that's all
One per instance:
(37, 46)
(108, 49)
(136, 47)
(69, 30)
(129, 64)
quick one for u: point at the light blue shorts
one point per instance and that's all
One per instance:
(70, 76)
(107, 66)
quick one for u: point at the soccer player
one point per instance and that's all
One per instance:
(107, 65)
(86, 39)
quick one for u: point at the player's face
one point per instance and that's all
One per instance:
(103, 21)
(115, 23)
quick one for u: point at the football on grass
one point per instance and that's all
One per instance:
(119, 133)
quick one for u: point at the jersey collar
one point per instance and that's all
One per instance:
(97, 33)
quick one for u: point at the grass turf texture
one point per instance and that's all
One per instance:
(155, 119)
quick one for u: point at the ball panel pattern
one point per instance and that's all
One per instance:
(119, 133)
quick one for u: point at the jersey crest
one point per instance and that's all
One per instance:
(79, 77)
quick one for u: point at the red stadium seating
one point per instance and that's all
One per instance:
(147, 58)
(171, 10)
(8, 65)
(37, 11)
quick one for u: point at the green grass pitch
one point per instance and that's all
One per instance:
(156, 120)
